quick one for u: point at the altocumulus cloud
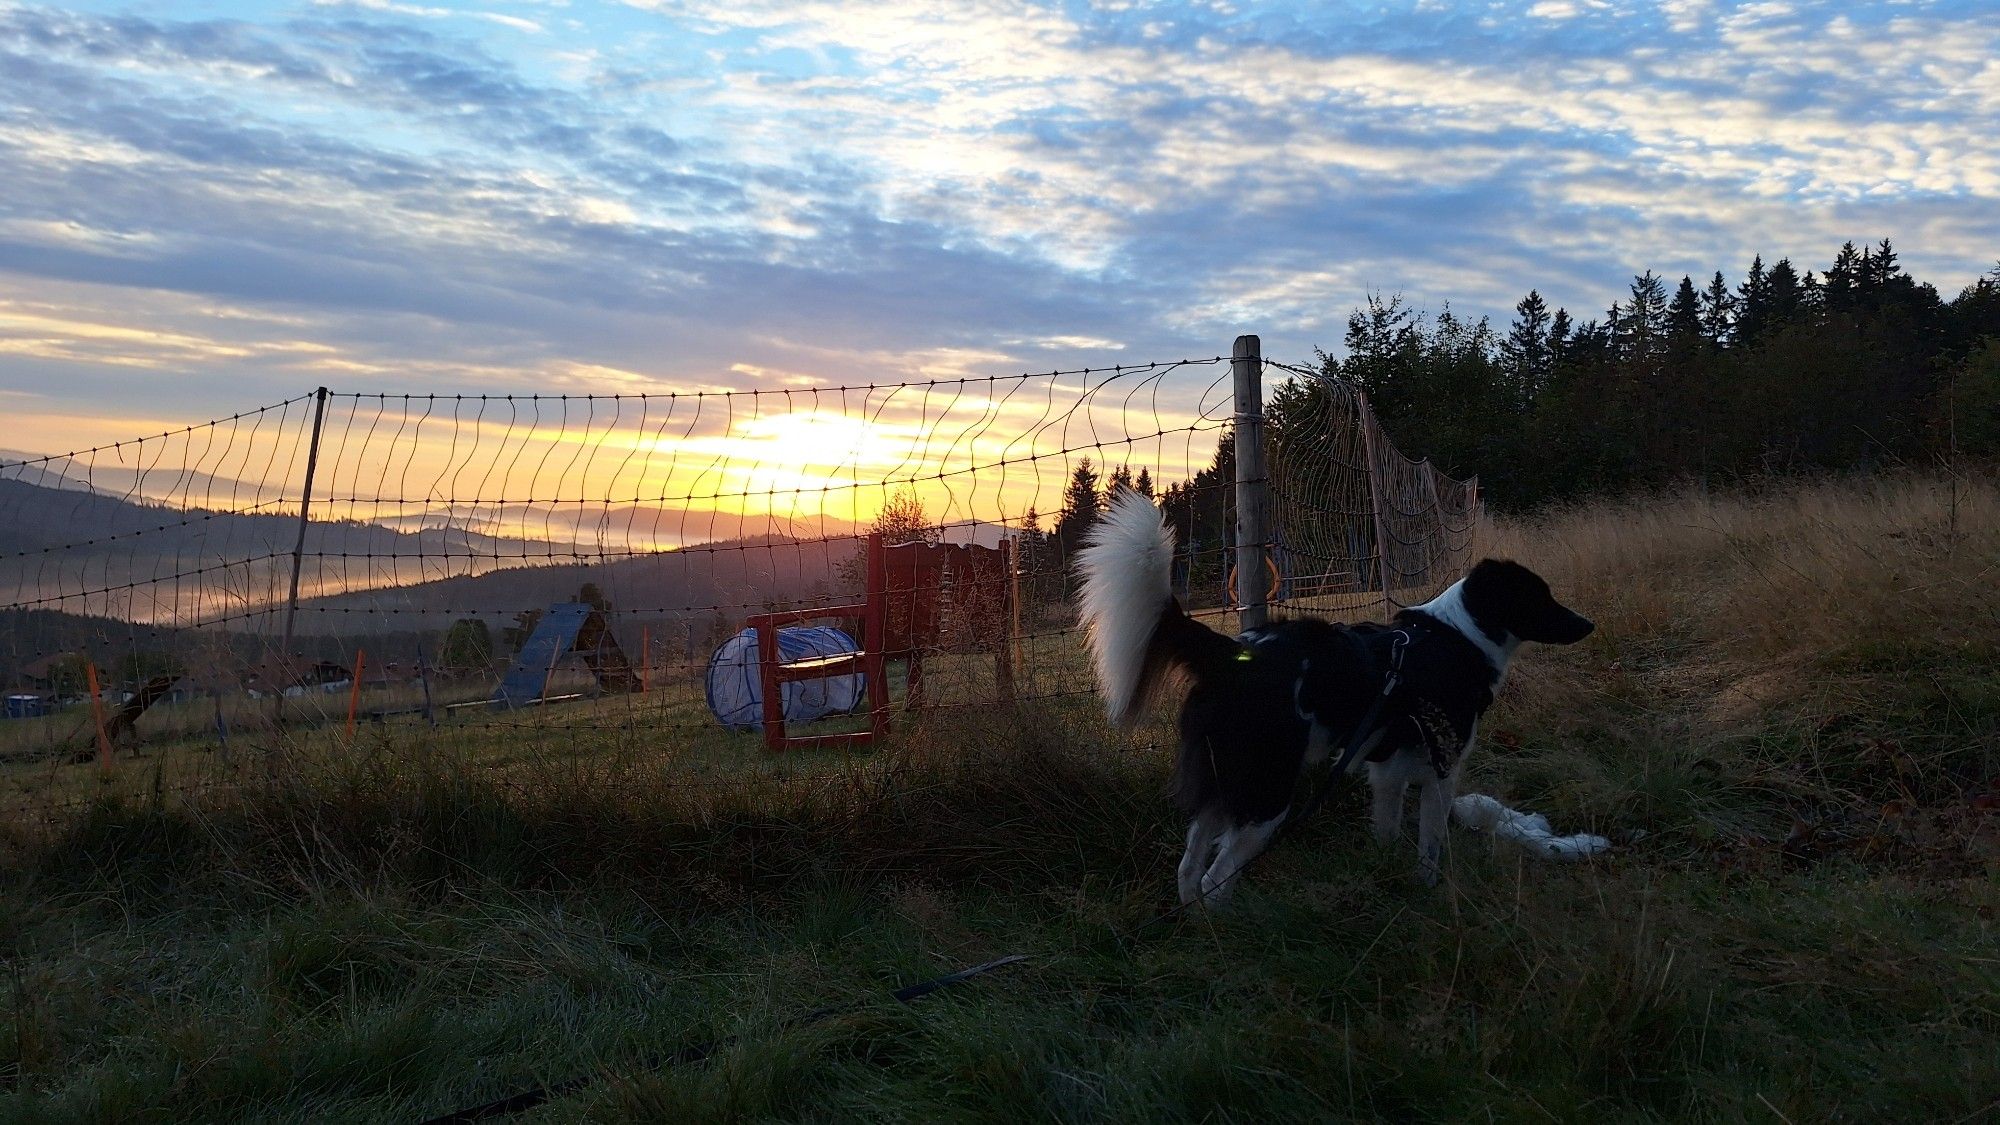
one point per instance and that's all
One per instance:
(207, 210)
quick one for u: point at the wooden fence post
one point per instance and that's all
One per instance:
(1368, 454)
(354, 691)
(221, 728)
(424, 676)
(1252, 486)
(97, 715)
(299, 549)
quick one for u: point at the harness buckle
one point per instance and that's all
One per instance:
(1394, 678)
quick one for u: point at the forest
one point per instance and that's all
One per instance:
(1858, 366)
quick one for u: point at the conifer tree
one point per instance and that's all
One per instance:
(1752, 304)
(1784, 298)
(1032, 556)
(1881, 269)
(1383, 349)
(1591, 342)
(1684, 316)
(1718, 311)
(1843, 278)
(1527, 355)
(1083, 502)
(1643, 327)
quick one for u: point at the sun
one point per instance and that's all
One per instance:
(816, 440)
(808, 459)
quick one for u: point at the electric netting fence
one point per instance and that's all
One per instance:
(1356, 524)
(569, 567)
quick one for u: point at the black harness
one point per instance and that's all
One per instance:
(1371, 720)
(1429, 721)
(1435, 684)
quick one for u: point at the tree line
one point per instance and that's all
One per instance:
(1855, 366)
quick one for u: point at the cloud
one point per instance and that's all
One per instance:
(791, 194)
(386, 6)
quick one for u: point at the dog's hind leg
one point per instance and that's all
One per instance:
(1204, 832)
(1240, 845)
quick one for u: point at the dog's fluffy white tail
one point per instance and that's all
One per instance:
(1127, 566)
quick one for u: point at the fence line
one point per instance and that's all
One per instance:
(206, 569)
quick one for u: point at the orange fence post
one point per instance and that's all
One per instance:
(97, 714)
(354, 692)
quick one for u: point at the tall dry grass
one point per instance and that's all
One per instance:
(1831, 640)
(1783, 577)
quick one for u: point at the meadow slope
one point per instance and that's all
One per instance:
(1788, 720)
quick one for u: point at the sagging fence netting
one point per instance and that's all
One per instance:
(339, 564)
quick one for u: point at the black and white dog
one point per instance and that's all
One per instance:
(1263, 707)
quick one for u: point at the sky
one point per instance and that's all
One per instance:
(205, 207)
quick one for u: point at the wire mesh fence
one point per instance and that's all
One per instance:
(1357, 525)
(568, 570)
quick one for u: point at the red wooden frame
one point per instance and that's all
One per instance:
(904, 615)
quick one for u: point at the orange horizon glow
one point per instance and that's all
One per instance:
(648, 475)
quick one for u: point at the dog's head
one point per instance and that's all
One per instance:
(1507, 598)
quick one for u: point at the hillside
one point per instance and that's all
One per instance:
(699, 594)
(59, 538)
(726, 579)
(57, 541)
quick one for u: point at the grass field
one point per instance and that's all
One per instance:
(1788, 721)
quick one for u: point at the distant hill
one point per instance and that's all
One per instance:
(630, 527)
(731, 579)
(108, 556)
(139, 483)
(689, 599)
(134, 559)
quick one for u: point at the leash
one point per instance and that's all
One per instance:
(1391, 680)
(700, 1052)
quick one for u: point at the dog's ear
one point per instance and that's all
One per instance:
(1508, 595)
